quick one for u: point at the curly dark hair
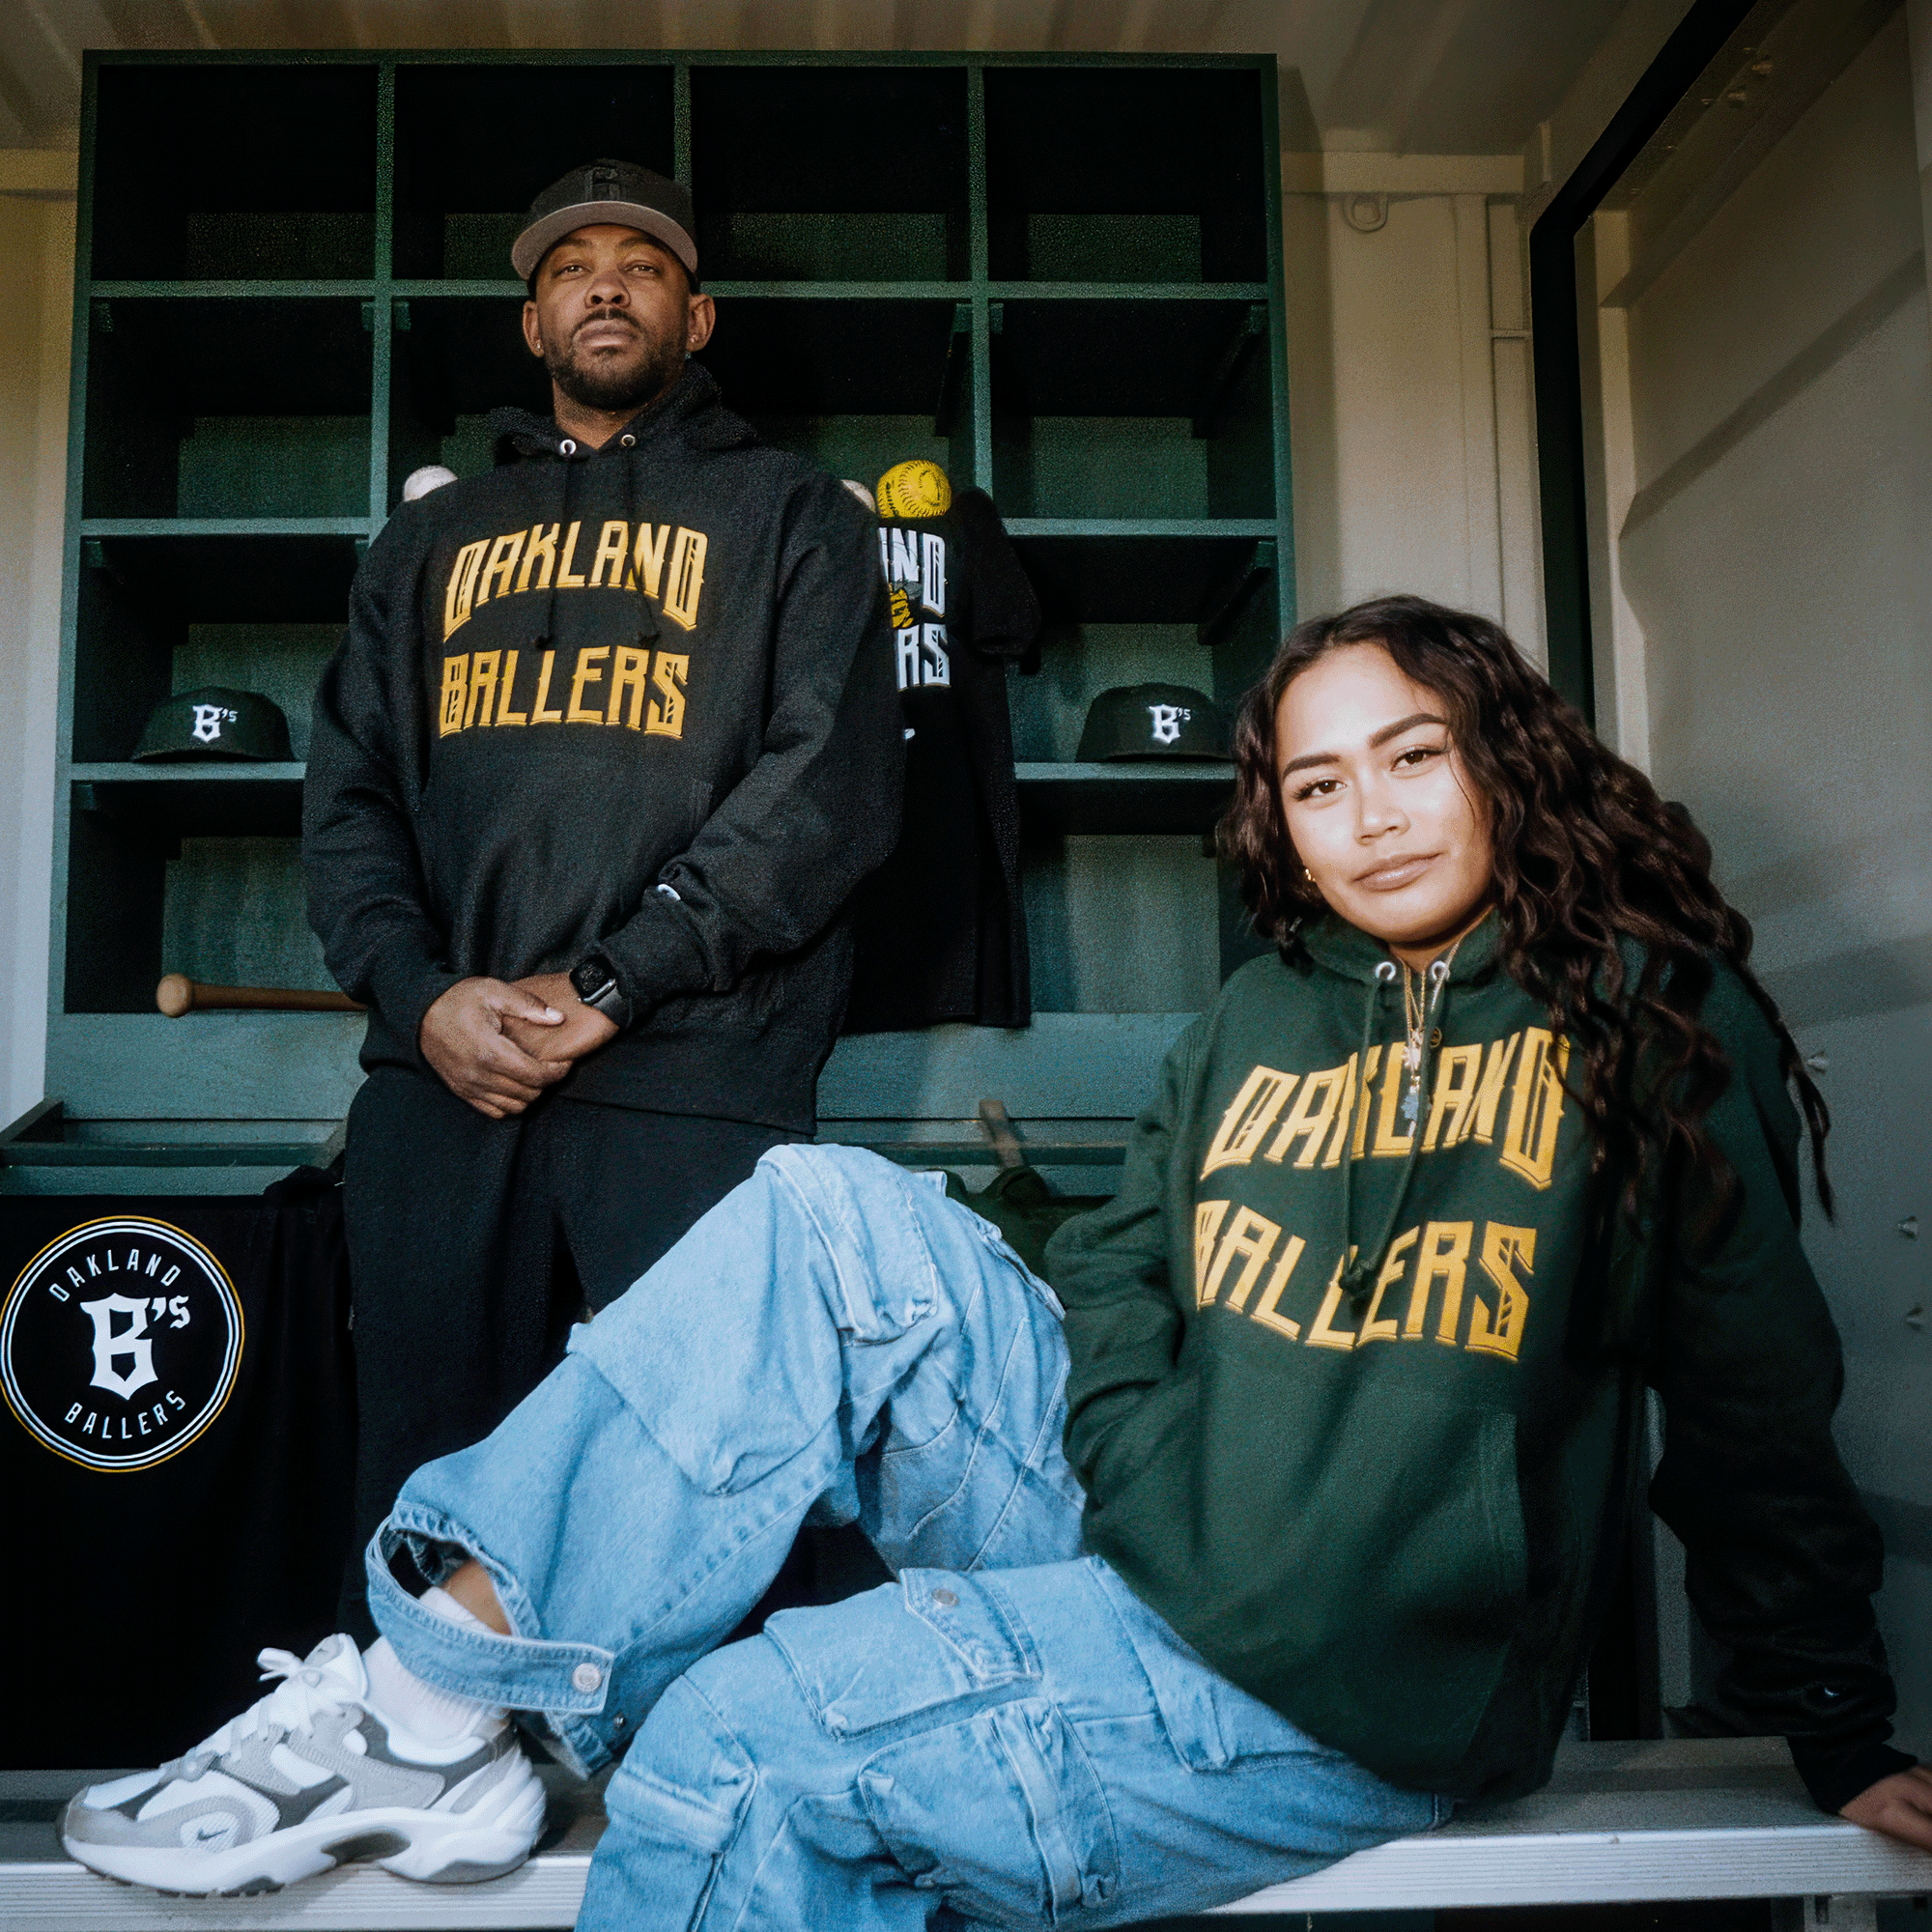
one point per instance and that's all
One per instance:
(1587, 854)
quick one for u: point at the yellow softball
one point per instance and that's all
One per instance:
(901, 608)
(914, 488)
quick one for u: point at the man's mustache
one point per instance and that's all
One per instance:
(615, 315)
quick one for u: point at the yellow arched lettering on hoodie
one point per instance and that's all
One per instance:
(647, 559)
(1536, 1107)
(542, 544)
(1442, 1256)
(670, 674)
(1324, 1334)
(668, 562)
(627, 674)
(1397, 1259)
(455, 689)
(1265, 1308)
(1489, 1090)
(482, 687)
(1251, 1236)
(503, 554)
(1208, 1218)
(504, 715)
(1503, 1249)
(614, 546)
(686, 579)
(589, 671)
(462, 592)
(1457, 1074)
(1365, 1101)
(1314, 1113)
(1250, 1114)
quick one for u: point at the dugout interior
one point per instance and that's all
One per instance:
(1062, 278)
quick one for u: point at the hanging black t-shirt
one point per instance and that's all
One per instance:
(176, 1440)
(939, 930)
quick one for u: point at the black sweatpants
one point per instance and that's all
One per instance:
(475, 1244)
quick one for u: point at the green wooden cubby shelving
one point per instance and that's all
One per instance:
(1061, 277)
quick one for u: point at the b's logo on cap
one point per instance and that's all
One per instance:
(120, 1343)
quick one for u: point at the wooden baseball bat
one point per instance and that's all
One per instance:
(178, 994)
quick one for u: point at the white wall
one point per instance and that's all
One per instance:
(1410, 385)
(1770, 539)
(36, 308)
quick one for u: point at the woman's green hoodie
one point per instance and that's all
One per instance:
(1388, 1502)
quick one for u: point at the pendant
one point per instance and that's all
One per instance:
(1410, 1101)
(1411, 1056)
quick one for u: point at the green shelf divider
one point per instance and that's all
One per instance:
(232, 291)
(224, 526)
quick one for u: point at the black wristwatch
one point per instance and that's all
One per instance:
(596, 985)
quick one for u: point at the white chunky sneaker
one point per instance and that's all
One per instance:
(312, 1776)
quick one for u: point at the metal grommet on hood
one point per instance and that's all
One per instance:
(627, 440)
(566, 447)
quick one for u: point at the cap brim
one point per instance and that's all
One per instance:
(541, 236)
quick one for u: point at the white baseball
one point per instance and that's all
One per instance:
(431, 476)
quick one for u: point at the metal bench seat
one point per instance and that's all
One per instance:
(1688, 1819)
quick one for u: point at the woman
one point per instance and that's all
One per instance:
(1349, 1388)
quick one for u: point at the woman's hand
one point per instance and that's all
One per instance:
(1899, 1806)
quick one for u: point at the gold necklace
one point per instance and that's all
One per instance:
(1416, 1009)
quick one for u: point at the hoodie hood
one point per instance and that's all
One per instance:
(692, 407)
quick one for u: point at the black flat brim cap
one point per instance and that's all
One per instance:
(615, 191)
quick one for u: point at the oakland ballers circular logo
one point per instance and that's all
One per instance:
(120, 1343)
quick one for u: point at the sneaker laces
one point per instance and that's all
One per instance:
(304, 1688)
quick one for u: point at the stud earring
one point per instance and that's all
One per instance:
(1308, 875)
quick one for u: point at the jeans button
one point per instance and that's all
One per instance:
(586, 1677)
(944, 1599)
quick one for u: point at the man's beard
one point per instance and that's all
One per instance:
(613, 390)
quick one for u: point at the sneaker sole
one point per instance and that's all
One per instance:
(432, 1847)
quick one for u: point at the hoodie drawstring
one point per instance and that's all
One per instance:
(1359, 1271)
(566, 451)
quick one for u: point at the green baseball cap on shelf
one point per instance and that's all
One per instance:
(216, 723)
(1153, 721)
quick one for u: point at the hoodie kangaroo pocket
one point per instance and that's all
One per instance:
(1367, 1580)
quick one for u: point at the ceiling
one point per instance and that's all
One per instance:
(1403, 76)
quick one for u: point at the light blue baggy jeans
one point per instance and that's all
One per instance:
(1006, 1731)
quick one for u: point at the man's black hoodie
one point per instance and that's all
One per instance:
(636, 699)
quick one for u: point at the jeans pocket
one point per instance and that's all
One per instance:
(1000, 1815)
(929, 1640)
(732, 1350)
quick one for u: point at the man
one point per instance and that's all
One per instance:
(611, 740)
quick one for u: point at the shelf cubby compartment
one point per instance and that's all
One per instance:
(1125, 174)
(476, 142)
(1151, 796)
(453, 359)
(212, 407)
(829, 174)
(1133, 408)
(856, 383)
(151, 892)
(157, 615)
(234, 171)
(1145, 570)
(1118, 924)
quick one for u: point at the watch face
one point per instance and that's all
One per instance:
(588, 976)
